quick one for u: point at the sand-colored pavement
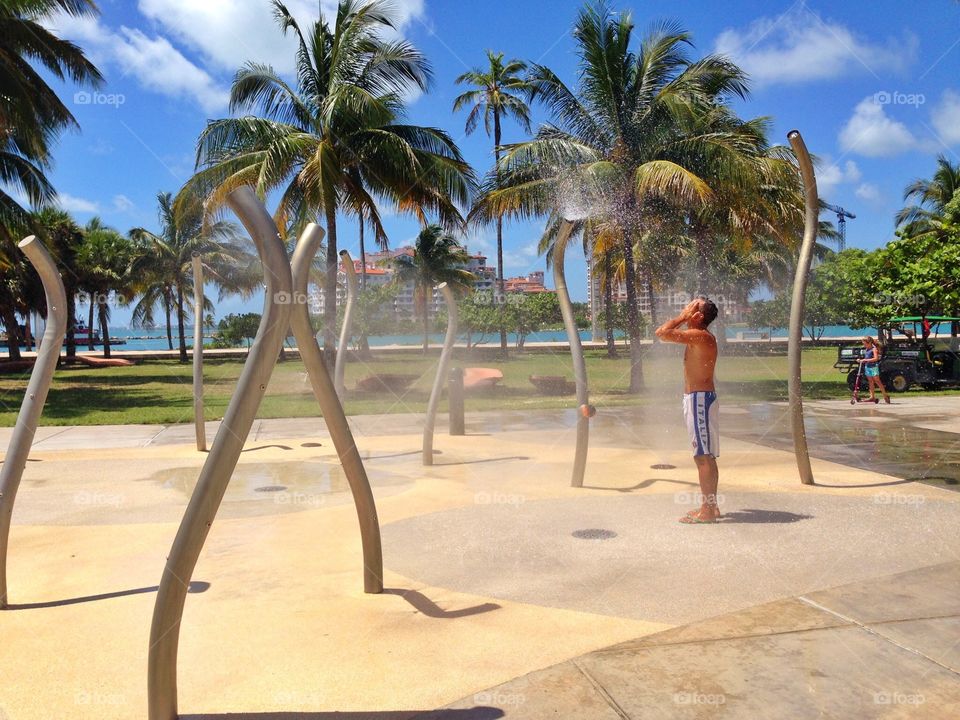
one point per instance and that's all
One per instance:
(486, 582)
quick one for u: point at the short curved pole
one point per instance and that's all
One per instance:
(222, 460)
(794, 348)
(341, 362)
(333, 414)
(584, 410)
(200, 429)
(438, 382)
(36, 395)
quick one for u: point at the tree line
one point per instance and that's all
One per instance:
(664, 183)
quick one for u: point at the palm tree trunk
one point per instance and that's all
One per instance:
(93, 302)
(633, 318)
(363, 345)
(363, 260)
(180, 327)
(167, 309)
(13, 329)
(426, 320)
(330, 289)
(651, 299)
(500, 285)
(608, 306)
(104, 329)
(71, 336)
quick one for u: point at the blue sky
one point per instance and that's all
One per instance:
(872, 86)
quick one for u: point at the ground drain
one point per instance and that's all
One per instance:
(663, 466)
(593, 534)
(270, 488)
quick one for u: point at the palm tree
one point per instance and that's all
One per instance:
(496, 94)
(64, 239)
(929, 197)
(162, 263)
(336, 141)
(625, 144)
(31, 115)
(104, 261)
(31, 119)
(437, 258)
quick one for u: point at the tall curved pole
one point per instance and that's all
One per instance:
(201, 431)
(33, 401)
(811, 221)
(333, 414)
(347, 322)
(438, 382)
(222, 460)
(584, 411)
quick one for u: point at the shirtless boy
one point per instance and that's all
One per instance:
(700, 398)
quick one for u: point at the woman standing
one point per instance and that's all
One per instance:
(871, 368)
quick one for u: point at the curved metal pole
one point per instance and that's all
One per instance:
(220, 463)
(438, 381)
(794, 349)
(36, 395)
(333, 413)
(576, 350)
(347, 322)
(201, 431)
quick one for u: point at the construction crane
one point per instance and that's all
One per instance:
(842, 216)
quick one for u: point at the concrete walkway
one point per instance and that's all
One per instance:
(883, 648)
(490, 576)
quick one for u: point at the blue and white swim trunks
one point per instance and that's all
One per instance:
(700, 411)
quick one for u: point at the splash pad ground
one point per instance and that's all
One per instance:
(487, 579)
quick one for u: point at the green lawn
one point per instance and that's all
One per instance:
(161, 391)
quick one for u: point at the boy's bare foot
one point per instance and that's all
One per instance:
(704, 515)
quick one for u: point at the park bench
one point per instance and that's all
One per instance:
(481, 378)
(553, 384)
(386, 382)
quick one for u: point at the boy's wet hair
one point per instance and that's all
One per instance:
(709, 310)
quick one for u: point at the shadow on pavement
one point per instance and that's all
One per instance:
(474, 713)
(265, 447)
(429, 608)
(486, 460)
(197, 586)
(640, 485)
(762, 516)
(869, 485)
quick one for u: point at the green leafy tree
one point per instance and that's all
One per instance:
(104, 260)
(530, 313)
(32, 115)
(628, 140)
(928, 199)
(479, 314)
(64, 238)
(336, 140)
(498, 92)
(163, 262)
(236, 330)
(437, 258)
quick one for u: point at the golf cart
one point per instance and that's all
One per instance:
(914, 353)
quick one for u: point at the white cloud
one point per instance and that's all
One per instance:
(71, 203)
(871, 132)
(868, 192)
(161, 67)
(123, 204)
(228, 33)
(946, 117)
(153, 61)
(830, 175)
(799, 46)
